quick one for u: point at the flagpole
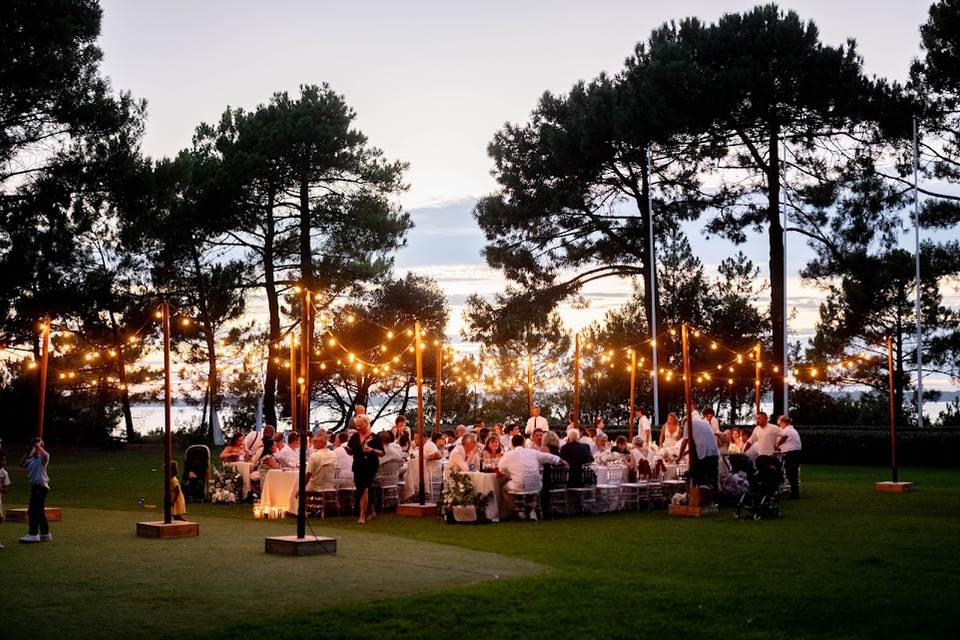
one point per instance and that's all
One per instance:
(576, 381)
(652, 269)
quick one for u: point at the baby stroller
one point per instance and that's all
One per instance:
(196, 473)
(761, 500)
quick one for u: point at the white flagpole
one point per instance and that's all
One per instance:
(653, 296)
(916, 238)
(786, 339)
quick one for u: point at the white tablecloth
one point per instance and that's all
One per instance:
(411, 482)
(488, 483)
(612, 475)
(244, 469)
(280, 489)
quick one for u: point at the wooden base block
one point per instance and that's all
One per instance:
(692, 512)
(20, 515)
(894, 487)
(417, 510)
(294, 546)
(176, 529)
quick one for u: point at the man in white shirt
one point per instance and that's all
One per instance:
(507, 438)
(789, 445)
(535, 441)
(461, 431)
(391, 450)
(704, 470)
(521, 467)
(253, 443)
(711, 418)
(320, 457)
(643, 425)
(536, 421)
(344, 459)
(466, 455)
(763, 440)
(289, 456)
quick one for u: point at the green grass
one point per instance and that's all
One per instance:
(844, 562)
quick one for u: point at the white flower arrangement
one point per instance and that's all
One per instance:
(459, 492)
(226, 486)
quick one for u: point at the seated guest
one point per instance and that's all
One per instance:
(391, 449)
(536, 440)
(789, 445)
(478, 424)
(344, 459)
(735, 443)
(551, 472)
(253, 443)
(601, 442)
(449, 438)
(704, 470)
(466, 455)
(234, 449)
(483, 434)
(507, 440)
(289, 456)
(433, 449)
(711, 418)
(589, 439)
(576, 454)
(521, 466)
(492, 452)
(399, 426)
(551, 443)
(598, 424)
(268, 458)
(640, 453)
(321, 457)
(460, 432)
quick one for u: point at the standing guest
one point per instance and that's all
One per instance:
(321, 457)
(704, 470)
(391, 450)
(711, 418)
(492, 452)
(466, 455)
(178, 502)
(789, 445)
(234, 449)
(576, 454)
(670, 433)
(289, 456)
(643, 425)
(35, 461)
(344, 459)
(367, 449)
(763, 440)
(535, 441)
(536, 421)
(521, 467)
(253, 443)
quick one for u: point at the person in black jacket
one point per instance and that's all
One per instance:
(576, 454)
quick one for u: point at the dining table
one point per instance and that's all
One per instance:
(280, 489)
(244, 469)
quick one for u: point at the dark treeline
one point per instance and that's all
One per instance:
(703, 122)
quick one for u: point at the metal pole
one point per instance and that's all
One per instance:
(688, 401)
(893, 411)
(44, 359)
(633, 387)
(303, 415)
(439, 388)
(916, 239)
(529, 385)
(167, 414)
(652, 268)
(576, 382)
(756, 382)
(786, 333)
(419, 359)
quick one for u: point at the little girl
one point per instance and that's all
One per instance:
(4, 482)
(178, 504)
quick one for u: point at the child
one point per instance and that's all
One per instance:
(4, 482)
(35, 461)
(178, 504)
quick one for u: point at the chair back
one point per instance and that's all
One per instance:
(388, 474)
(325, 479)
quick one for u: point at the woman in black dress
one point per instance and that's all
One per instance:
(366, 449)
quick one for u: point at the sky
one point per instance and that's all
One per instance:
(432, 82)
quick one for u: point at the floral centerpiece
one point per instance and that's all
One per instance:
(460, 502)
(226, 486)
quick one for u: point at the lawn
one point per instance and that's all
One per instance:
(844, 562)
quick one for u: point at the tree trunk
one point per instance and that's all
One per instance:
(122, 375)
(777, 273)
(273, 310)
(213, 377)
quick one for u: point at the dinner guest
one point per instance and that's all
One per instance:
(620, 451)
(399, 426)
(711, 418)
(391, 450)
(344, 459)
(466, 455)
(234, 449)
(789, 445)
(535, 441)
(576, 454)
(735, 443)
(432, 455)
(601, 442)
(704, 470)
(366, 449)
(643, 424)
(536, 421)
(598, 424)
(670, 433)
(268, 459)
(763, 440)
(589, 439)
(460, 432)
(253, 443)
(507, 439)
(321, 457)
(35, 461)
(492, 452)
(289, 456)
(521, 467)
(640, 454)
(551, 444)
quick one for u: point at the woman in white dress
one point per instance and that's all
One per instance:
(670, 436)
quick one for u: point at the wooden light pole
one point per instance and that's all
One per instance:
(529, 385)
(44, 360)
(633, 398)
(418, 352)
(688, 401)
(167, 413)
(893, 414)
(303, 414)
(439, 389)
(293, 381)
(576, 382)
(756, 381)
